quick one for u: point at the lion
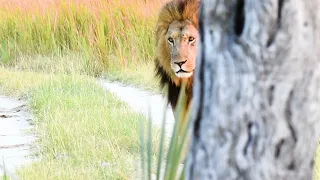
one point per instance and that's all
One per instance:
(176, 47)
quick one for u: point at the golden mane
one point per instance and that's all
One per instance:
(179, 10)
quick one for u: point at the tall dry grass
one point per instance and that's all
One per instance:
(113, 33)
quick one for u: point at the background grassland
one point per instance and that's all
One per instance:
(109, 37)
(50, 50)
(80, 37)
(84, 132)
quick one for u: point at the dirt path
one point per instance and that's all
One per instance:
(143, 102)
(15, 141)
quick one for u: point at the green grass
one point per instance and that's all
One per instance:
(67, 63)
(4, 177)
(84, 132)
(141, 75)
(105, 29)
(114, 38)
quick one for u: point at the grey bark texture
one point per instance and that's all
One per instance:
(256, 103)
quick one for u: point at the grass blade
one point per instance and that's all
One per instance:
(182, 176)
(142, 148)
(149, 148)
(182, 143)
(160, 153)
(170, 171)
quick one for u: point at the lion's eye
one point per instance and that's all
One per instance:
(170, 40)
(191, 39)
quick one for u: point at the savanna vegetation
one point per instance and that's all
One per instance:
(51, 52)
(92, 37)
(83, 131)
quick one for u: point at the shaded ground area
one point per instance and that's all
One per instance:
(150, 104)
(15, 136)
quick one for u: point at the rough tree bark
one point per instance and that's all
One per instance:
(256, 106)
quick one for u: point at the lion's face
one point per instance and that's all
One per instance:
(181, 42)
(176, 38)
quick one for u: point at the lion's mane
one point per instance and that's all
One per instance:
(178, 10)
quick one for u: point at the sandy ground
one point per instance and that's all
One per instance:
(150, 104)
(15, 136)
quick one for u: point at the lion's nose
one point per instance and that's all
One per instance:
(180, 63)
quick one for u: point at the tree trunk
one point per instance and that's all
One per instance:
(256, 104)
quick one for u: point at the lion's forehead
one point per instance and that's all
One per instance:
(185, 28)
